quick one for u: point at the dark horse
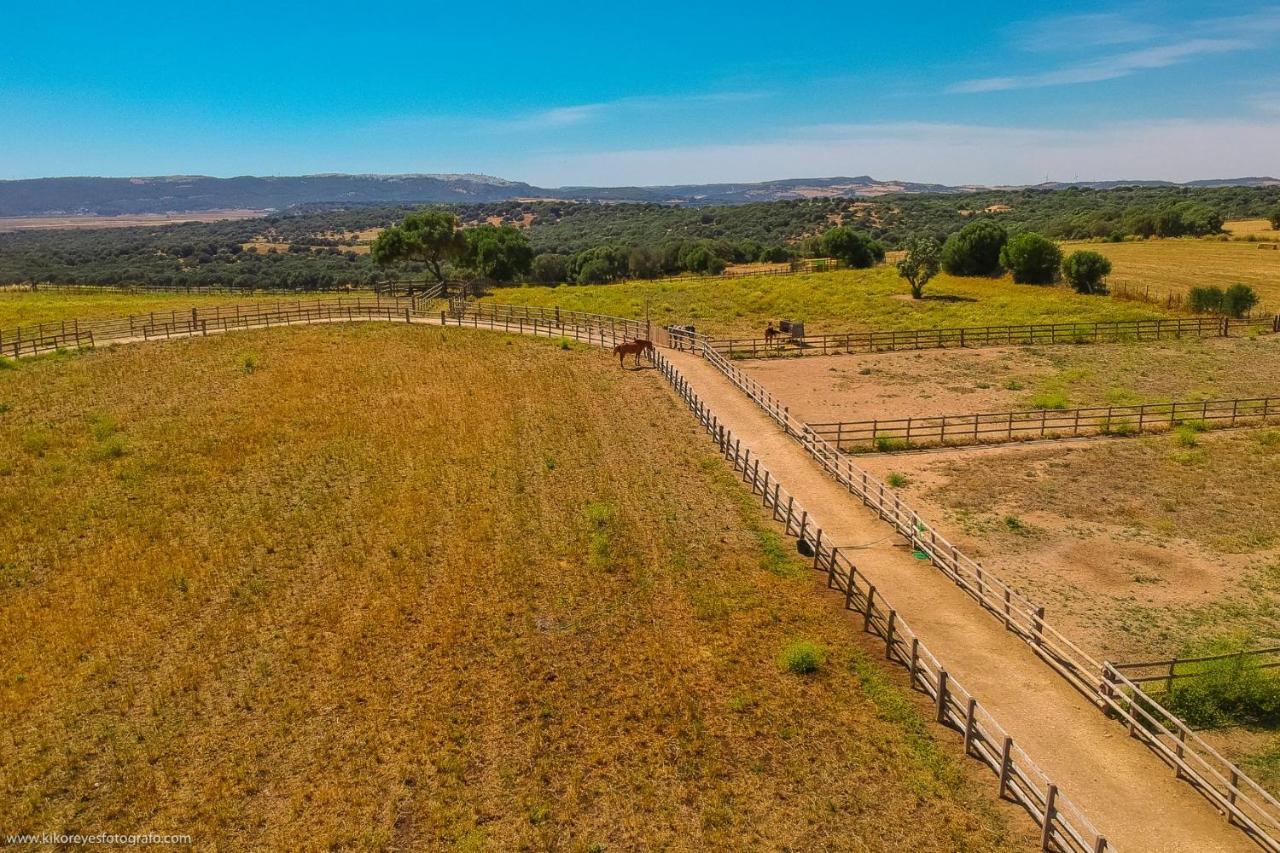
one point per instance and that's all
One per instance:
(635, 347)
(770, 333)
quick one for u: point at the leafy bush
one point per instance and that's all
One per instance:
(1049, 400)
(854, 248)
(975, 249)
(1274, 217)
(896, 480)
(1032, 259)
(920, 264)
(803, 657)
(1205, 300)
(1086, 271)
(1238, 300)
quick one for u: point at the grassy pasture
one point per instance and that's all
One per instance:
(390, 587)
(845, 300)
(1174, 266)
(1259, 229)
(26, 307)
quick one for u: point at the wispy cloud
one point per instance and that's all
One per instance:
(1090, 35)
(1107, 67)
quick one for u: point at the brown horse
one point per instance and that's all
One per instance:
(635, 347)
(770, 333)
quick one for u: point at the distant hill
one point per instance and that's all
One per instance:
(193, 193)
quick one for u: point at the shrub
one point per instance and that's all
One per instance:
(1205, 300)
(896, 480)
(975, 249)
(1086, 271)
(1238, 300)
(854, 248)
(887, 444)
(920, 264)
(1274, 217)
(803, 657)
(1185, 436)
(1032, 259)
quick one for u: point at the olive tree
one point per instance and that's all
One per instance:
(922, 262)
(431, 237)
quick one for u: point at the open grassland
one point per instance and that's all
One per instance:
(36, 223)
(394, 587)
(846, 300)
(927, 383)
(1258, 229)
(27, 307)
(1142, 547)
(1174, 266)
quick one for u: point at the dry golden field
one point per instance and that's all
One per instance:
(401, 588)
(1259, 229)
(1174, 266)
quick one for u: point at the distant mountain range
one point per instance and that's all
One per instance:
(195, 193)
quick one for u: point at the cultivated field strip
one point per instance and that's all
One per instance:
(1039, 424)
(1245, 803)
(1116, 331)
(1062, 824)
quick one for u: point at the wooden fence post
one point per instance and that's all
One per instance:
(915, 660)
(1006, 754)
(968, 725)
(867, 611)
(888, 635)
(1050, 812)
(942, 697)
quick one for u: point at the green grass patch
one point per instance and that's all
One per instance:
(1225, 692)
(803, 657)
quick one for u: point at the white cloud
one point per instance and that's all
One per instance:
(1073, 32)
(1107, 67)
(943, 153)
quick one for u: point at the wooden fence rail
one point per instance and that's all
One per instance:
(619, 328)
(1062, 824)
(1034, 424)
(186, 322)
(990, 336)
(1167, 672)
(1239, 797)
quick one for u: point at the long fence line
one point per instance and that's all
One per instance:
(73, 334)
(1245, 803)
(1063, 825)
(887, 434)
(990, 336)
(619, 327)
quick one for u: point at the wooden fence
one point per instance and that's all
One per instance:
(619, 328)
(1245, 803)
(1166, 672)
(1062, 824)
(990, 336)
(994, 427)
(66, 334)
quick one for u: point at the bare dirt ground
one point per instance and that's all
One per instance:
(31, 223)
(1141, 546)
(944, 382)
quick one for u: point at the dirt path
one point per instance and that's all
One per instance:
(1130, 795)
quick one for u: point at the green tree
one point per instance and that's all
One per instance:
(922, 262)
(1086, 271)
(1205, 300)
(501, 253)
(1032, 258)
(975, 249)
(854, 248)
(431, 237)
(550, 268)
(644, 262)
(701, 259)
(1238, 300)
(1274, 216)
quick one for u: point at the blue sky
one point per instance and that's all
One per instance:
(644, 93)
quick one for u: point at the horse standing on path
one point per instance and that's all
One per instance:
(635, 347)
